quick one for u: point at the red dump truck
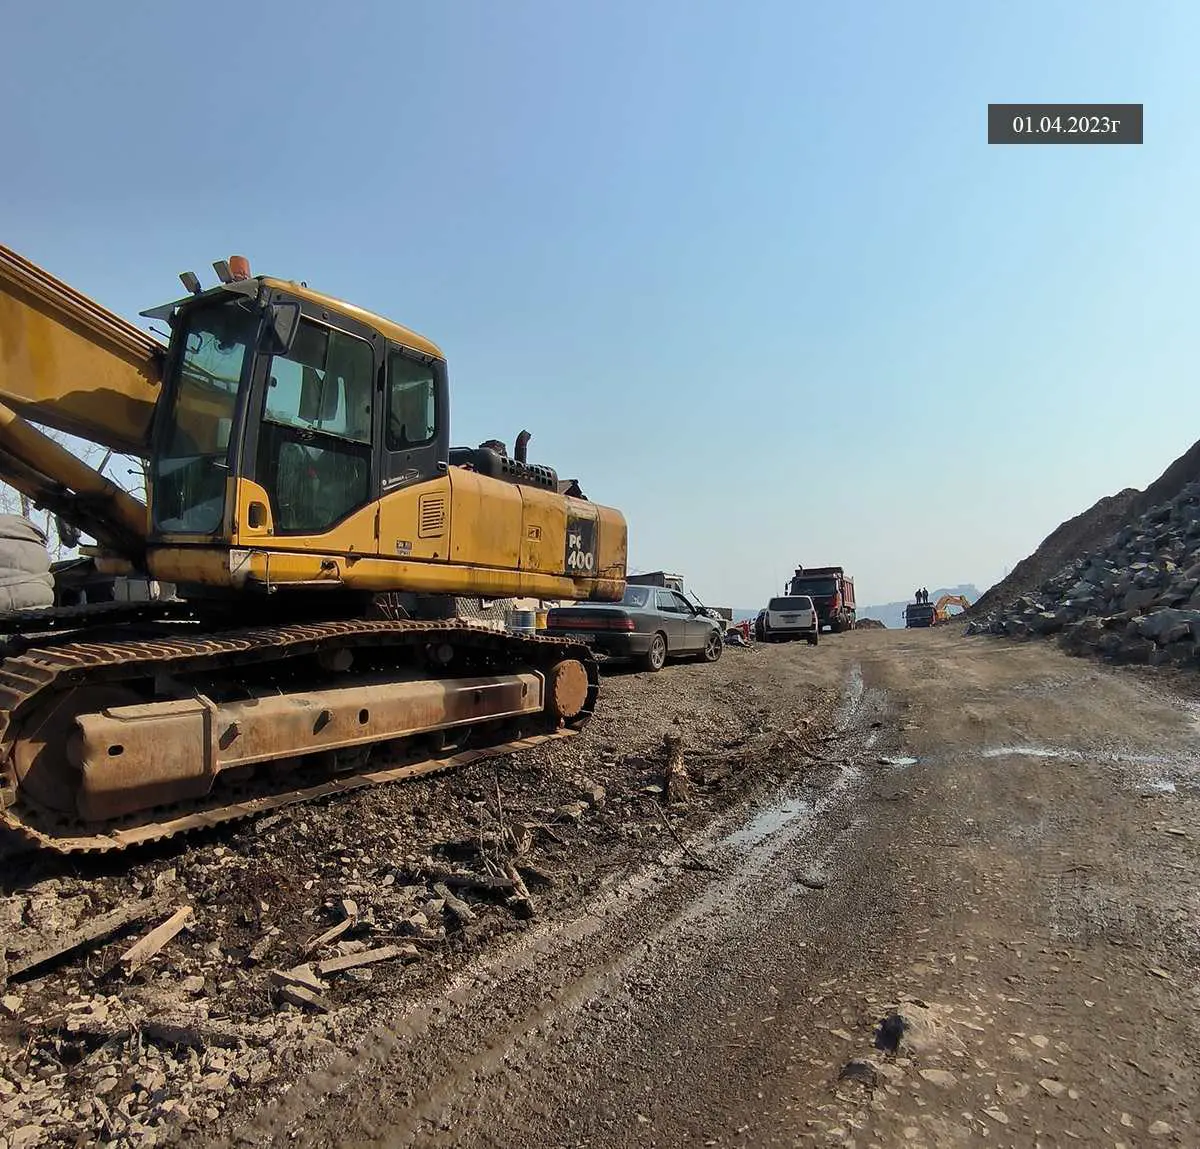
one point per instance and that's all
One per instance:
(832, 592)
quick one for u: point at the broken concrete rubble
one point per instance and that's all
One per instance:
(1135, 600)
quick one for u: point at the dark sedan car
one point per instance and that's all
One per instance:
(650, 624)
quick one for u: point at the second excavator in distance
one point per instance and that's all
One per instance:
(303, 496)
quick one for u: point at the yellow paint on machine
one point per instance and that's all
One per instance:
(70, 364)
(462, 533)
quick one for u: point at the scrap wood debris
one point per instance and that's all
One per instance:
(223, 1009)
(145, 948)
(97, 930)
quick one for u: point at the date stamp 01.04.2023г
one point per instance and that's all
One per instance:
(1064, 123)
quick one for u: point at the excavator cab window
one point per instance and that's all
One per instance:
(314, 450)
(191, 467)
(412, 402)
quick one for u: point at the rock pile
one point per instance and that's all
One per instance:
(1134, 599)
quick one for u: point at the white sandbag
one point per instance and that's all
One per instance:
(25, 579)
(23, 529)
(26, 557)
(34, 592)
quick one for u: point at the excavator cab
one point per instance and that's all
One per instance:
(301, 443)
(284, 417)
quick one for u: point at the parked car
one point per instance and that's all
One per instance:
(650, 624)
(792, 616)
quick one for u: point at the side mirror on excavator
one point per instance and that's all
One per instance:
(282, 328)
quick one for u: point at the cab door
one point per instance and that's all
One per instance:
(696, 627)
(415, 492)
(671, 614)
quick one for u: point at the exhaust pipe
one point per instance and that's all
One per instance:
(521, 446)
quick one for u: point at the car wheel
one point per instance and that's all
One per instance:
(813, 639)
(656, 657)
(713, 647)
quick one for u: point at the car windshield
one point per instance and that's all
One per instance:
(824, 587)
(635, 596)
(793, 602)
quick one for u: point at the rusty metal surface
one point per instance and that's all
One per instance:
(567, 686)
(29, 680)
(135, 757)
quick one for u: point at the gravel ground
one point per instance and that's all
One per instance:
(925, 890)
(200, 1036)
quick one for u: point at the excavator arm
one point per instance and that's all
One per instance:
(941, 610)
(71, 365)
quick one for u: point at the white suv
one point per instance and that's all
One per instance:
(792, 617)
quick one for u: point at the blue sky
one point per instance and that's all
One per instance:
(750, 272)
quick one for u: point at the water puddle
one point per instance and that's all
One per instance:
(768, 822)
(1161, 786)
(1077, 755)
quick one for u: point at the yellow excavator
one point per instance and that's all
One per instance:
(303, 496)
(941, 609)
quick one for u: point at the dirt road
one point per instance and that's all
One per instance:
(992, 841)
(1022, 894)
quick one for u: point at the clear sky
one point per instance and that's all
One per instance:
(750, 272)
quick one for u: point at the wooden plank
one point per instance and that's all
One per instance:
(94, 931)
(299, 975)
(145, 948)
(350, 919)
(298, 995)
(367, 957)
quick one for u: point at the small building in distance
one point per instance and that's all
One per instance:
(656, 578)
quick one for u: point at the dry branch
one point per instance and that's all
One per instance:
(521, 903)
(699, 861)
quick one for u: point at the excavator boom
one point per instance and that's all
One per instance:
(75, 367)
(941, 610)
(70, 364)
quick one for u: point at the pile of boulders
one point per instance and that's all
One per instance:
(1135, 599)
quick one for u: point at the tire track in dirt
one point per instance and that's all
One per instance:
(567, 987)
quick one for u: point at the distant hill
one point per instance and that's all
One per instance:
(892, 613)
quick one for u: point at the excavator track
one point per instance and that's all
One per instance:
(36, 679)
